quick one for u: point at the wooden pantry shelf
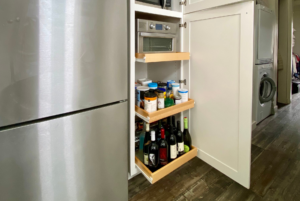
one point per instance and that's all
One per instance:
(153, 177)
(161, 114)
(162, 57)
(157, 11)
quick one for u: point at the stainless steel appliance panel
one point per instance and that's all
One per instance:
(60, 56)
(82, 157)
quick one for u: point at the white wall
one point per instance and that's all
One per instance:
(296, 23)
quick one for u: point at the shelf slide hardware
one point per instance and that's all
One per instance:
(182, 3)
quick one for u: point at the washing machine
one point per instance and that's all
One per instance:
(264, 91)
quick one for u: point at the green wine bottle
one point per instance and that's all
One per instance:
(187, 137)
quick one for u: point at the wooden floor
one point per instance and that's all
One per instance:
(275, 170)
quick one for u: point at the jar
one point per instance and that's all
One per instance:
(162, 86)
(175, 87)
(169, 84)
(184, 93)
(152, 85)
(169, 101)
(140, 95)
(164, 90)
(150, 102)
(160, 100)
(177, 100)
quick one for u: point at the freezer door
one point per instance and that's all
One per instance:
(82, 157)
(60, 56)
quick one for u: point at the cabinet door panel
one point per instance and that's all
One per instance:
(196, 5)
(220, 80)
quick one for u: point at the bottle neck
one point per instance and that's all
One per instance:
(152, 136)
(162, 133)
(178, 126)
(185, 123)
(147, 127)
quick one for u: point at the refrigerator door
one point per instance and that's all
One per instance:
(82, 157)
(61, 56)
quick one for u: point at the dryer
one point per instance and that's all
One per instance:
(264, 91)
(264, 34)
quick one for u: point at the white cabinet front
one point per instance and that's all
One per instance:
(219, 76)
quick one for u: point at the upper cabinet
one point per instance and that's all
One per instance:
(197, 5)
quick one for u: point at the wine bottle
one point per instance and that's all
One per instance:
(180, 140)
(173, 124)
(173, 145)
(153, 153)
(147, 142)
(187, 137)
(163, 149)
(142, 137)
(159, 130)
(167, 131)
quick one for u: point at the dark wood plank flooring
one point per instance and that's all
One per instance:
(275, 169)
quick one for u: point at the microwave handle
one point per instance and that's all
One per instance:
(155, 35)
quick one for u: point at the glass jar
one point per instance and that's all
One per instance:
(160, 100)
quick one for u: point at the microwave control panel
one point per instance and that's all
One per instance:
(156, 27)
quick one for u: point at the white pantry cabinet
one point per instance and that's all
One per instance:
(219, 79)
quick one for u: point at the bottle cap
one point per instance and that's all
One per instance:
(152, 135)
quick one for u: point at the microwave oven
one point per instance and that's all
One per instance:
(156, 37)
(165, 4)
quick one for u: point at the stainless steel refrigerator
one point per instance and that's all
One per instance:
(63, 100)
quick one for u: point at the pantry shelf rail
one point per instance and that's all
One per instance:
(153, 177)
(161, 114)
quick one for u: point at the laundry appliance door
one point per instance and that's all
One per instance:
(267, 89)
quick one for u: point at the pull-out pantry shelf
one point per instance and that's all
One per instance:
(164, 113)
(162, 57)
(153, 177)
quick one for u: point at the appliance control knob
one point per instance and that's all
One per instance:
(152, 26)
(167, 27)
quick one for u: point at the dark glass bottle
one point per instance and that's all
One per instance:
(160, 126)
(167, 129)
(153, 153)
(172, 145)
(180, 140)
(174, 125)
(147, 142)
(187, 137)
(163, 149)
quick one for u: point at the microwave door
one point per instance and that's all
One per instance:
(156, 43)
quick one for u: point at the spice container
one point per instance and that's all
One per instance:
(140, 95)
(177, 100)
(150, 102)
(184, 93)
(160, 100)
(175, 87)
